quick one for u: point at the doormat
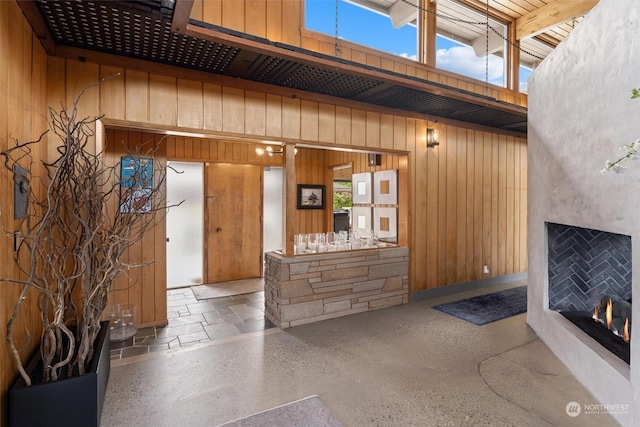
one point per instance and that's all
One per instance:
(488, 308)
(307, 412)
(226, 289)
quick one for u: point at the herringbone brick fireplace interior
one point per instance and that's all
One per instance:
(586, 265)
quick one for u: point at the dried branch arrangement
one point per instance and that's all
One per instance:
(74, 239)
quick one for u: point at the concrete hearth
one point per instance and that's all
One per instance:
(580, 113)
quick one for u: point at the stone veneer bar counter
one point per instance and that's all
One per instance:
(310, 288)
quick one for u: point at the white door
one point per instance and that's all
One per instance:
(272, 222)
(185, 182)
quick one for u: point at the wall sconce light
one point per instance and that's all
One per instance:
(374, 159)
(432, 138)
(270, 151)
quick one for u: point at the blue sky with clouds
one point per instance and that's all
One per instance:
(374, 30)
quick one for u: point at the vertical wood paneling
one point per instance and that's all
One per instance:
(23, 87)
(461, 204)
(291, 22)
(442, 207)
(510, 208)
(233, 15)
(163, 100)
(211, 11)
(478, 200)
(190, 104)
(495, 204)
(274, 19)
(523, 205)
(144, 287)
(373, 129)
(432, 220)
(399, 133)
(256, 17)
(401, 163)
(470, 192)
(359, 128)
(112, 96)
(291, 110)
(416, 165)
(89, 103)
(135, 280)
(156, 290)
(232, 110)
(502, 205)
(197, 10)
(327, 123)
(343, 128)
(212, 107)
(516, 207)
(451, 247)
(274, 115)
(309, 121)
(120, 294)
(487, 203)
(255, 113)
(137, 93)
(386, 131)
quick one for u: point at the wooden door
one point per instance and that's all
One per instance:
(233, 222)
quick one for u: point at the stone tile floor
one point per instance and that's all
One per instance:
(194, 322)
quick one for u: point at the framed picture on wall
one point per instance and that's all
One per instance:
(385, 224)
(136, 182)
(385, 187)
(361, 220)
(361, 188)
(310, 196)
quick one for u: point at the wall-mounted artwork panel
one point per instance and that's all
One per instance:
(385, 224)
(361, 219)
(385, 187)
(361, 188)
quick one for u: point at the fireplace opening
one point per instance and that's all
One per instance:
(590, 283)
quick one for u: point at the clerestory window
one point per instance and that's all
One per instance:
(391, 29)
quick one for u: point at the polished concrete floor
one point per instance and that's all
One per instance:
(402, 366)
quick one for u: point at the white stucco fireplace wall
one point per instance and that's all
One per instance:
(580, 113)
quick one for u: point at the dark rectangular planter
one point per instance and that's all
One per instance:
(69, 402)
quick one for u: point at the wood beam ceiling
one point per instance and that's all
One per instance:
(551, 15)
(31, 12)
(181, 14)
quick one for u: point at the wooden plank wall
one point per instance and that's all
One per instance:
(283, 21)
(311, 168)
(276, 20)
(23, 100)
(444, 187)
(145, 287)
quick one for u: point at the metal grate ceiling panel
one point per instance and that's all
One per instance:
(281, 72)
(142, 29)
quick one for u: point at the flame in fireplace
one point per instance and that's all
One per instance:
(619, 330)
(609, 314)
(625, 335)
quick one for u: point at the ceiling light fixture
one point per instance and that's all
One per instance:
(270, 151)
